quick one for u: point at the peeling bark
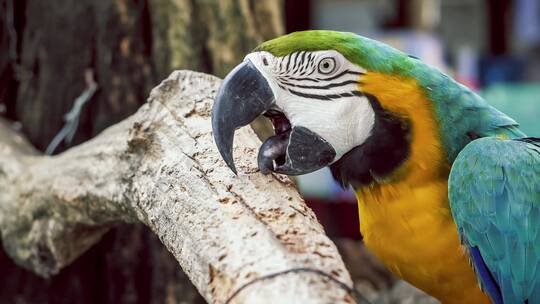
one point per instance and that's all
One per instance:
(160, 167)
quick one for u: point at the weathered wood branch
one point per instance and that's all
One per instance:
(160, 167)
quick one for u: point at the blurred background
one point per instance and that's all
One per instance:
(69, 69)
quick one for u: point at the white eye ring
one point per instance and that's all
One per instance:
(327, 65)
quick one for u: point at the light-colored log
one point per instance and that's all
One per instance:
(160, 166)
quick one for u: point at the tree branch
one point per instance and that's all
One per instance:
(231, 234)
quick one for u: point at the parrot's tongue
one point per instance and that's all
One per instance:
(274, 150)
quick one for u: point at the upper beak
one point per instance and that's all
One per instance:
(246, 94)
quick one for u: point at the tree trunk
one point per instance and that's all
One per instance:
(210, 36)
(128, 46)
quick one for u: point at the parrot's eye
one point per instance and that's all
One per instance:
(327, 65)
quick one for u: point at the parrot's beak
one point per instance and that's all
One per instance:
(244, 95)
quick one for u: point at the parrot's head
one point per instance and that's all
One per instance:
(316, 88)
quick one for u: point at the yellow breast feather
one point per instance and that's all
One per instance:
(406, 220)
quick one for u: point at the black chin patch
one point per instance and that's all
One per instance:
(385, 150)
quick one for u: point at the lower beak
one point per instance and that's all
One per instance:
(246, 94)
(296, 152)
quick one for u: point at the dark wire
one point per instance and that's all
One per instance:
(358, 298)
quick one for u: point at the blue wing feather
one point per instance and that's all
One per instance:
(490, 286)
(494, 192)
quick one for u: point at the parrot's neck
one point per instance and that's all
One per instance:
(405, 142)
(405, 218)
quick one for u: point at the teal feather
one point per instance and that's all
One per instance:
(495, 183)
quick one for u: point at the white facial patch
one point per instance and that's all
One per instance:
(319, 91)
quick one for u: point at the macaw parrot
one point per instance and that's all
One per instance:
(448, 187)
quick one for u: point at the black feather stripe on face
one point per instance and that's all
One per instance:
(322, 87)
(382, 153)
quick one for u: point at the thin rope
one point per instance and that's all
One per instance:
(358, 298)
(72, 117)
